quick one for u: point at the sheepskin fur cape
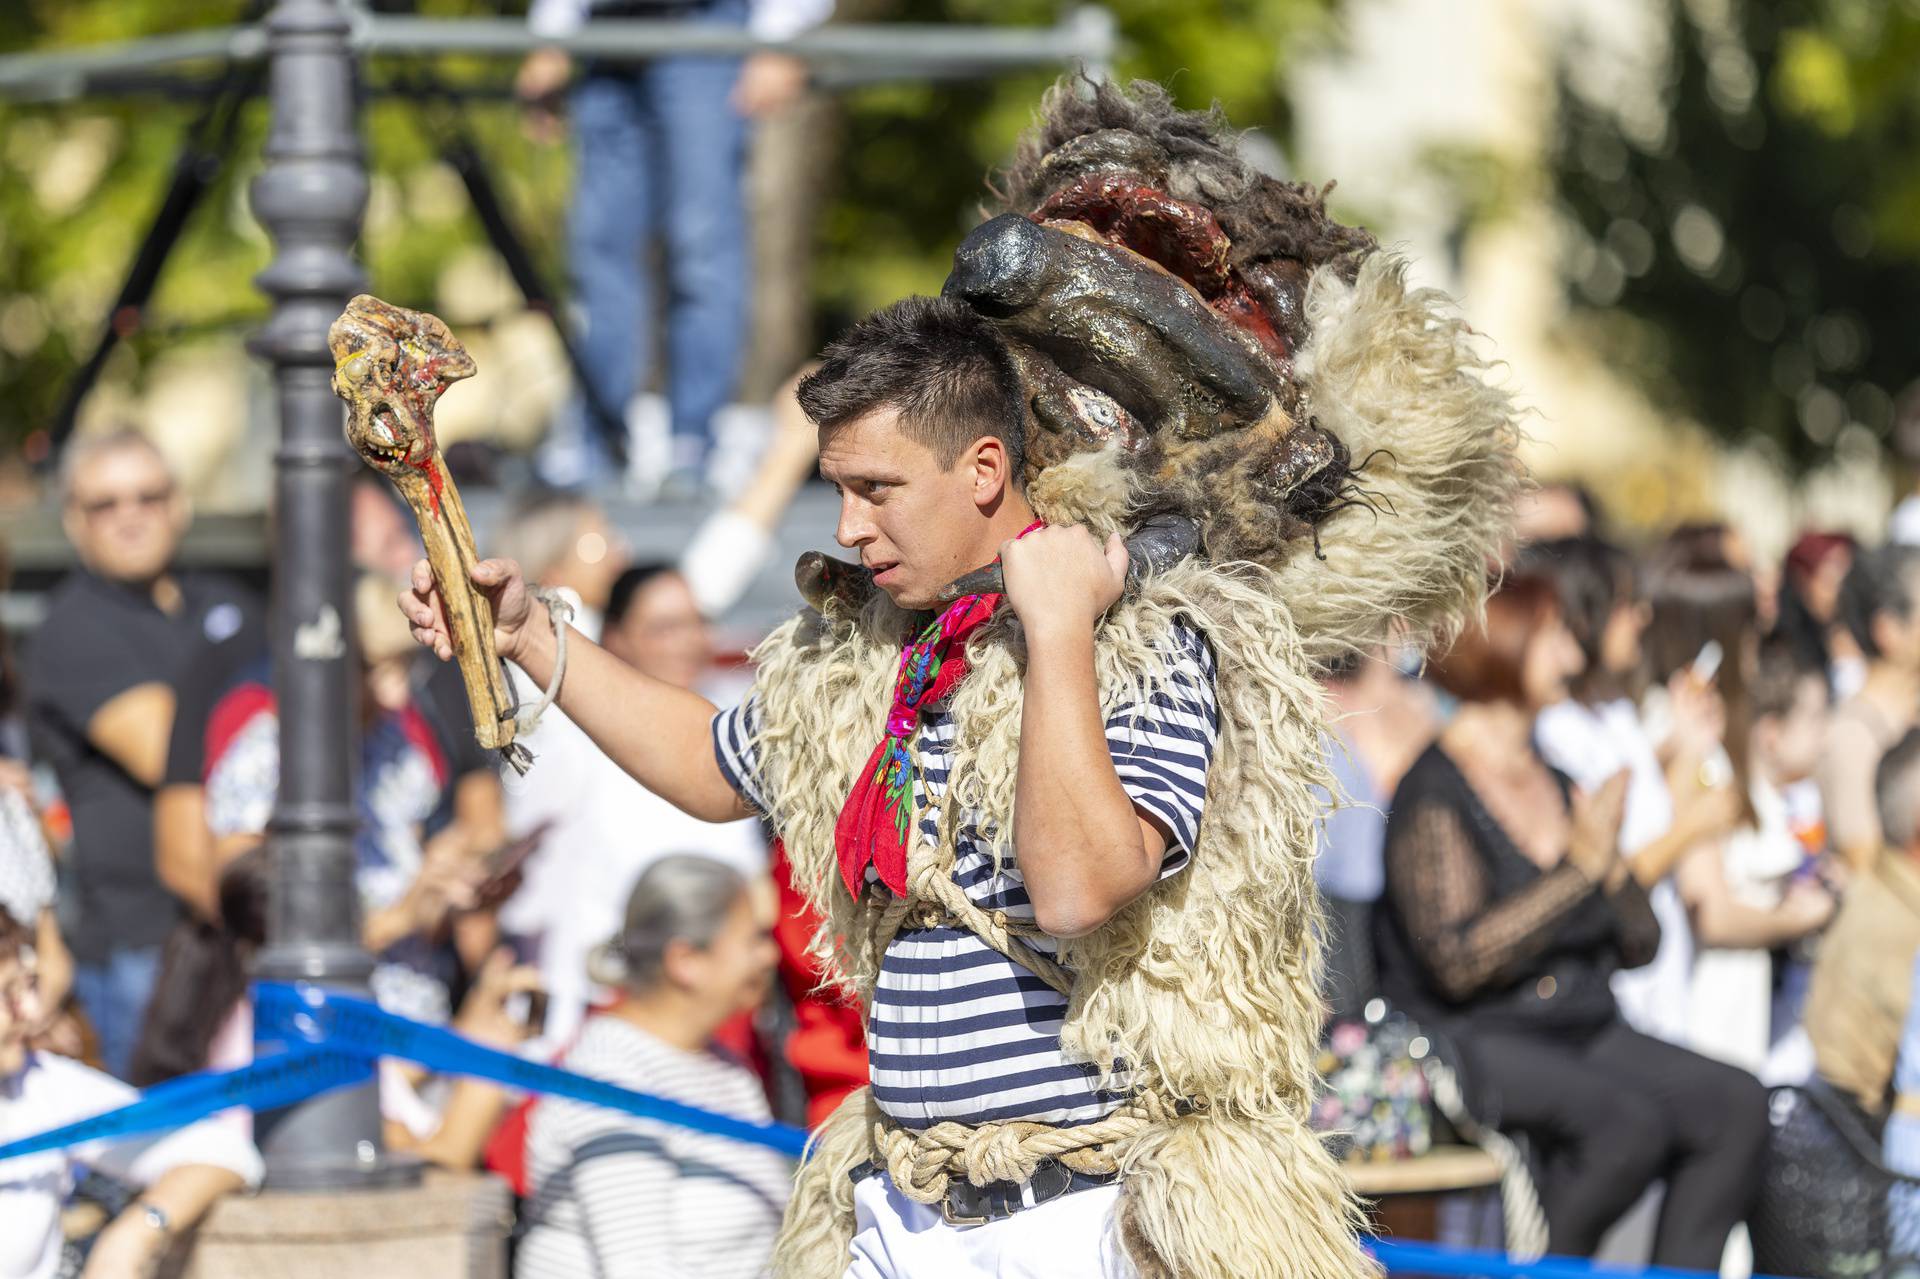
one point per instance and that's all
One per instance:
(1206, 987)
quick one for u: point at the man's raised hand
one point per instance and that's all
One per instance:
(1063, 576)
(499, 580)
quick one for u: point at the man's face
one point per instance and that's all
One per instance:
(124, 515)
(917, 524)
(1791, 744)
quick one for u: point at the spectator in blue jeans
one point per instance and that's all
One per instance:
(660, 149)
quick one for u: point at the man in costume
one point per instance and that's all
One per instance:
(1044, 759)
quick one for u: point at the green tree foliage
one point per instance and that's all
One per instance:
(1751, 247)
(80, 180)
(915, 156)
(76, 186)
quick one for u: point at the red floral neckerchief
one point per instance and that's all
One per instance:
(875, 822)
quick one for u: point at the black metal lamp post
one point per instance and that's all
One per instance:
(310, 197)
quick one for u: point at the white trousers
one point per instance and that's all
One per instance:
(1072, 1237)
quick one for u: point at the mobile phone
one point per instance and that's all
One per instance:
(1706, 664)
(530, 1010)
(507, 858)
(501, 865)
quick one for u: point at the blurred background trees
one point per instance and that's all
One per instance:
(1746, 244)
(1740, 238)
(899, 171)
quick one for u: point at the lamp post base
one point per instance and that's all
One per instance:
(330, 1142)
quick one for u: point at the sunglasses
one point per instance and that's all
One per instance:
(145, 500)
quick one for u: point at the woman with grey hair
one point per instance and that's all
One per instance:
(614, 1194)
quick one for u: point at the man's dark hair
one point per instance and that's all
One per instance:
(14, 935)
(1592, 578)
(935, 361)
(1775, 687)
(1882, 580)
(1896, 792)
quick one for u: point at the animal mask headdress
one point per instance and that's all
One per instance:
(1251, 377)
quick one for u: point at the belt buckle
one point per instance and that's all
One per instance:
(952, 1218)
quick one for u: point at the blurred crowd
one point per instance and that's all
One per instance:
(139, 783)
(1643, 843)
(1639, 845)
(139, 772)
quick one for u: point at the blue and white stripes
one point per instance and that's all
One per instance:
(958, 1031)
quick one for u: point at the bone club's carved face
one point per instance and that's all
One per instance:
(390, 366)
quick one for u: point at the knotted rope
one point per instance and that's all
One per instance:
(923, 1164)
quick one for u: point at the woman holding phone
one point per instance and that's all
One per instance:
(1508, 909)
(1597, 731)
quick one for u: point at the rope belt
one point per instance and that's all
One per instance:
(924, 1164)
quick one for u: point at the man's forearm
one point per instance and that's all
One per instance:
(659, 734)
(1079, 843)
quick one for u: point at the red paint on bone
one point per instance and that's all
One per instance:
(1184, 238)
(421, 385)
(426, 467)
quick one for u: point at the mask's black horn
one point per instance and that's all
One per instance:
(829, 584)
(1158, 544)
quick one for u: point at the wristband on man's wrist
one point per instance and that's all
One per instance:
(154, 1216)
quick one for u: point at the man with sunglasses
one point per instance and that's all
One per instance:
(101, 672)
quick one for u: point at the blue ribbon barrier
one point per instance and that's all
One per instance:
(332, 1040)
(1404, 1257)
(274, 1081)
(329, 1040)
(302, 1013)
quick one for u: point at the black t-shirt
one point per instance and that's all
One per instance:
(209, 672)
(442, 696)
(101, 638)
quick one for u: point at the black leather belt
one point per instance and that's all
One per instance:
(969, 1205)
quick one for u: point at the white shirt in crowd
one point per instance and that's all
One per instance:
(26, 868)
(1732, 1004)
(52, 1091)
(614, 1194)
(603, 830)
(1590, 744)
(766, 19)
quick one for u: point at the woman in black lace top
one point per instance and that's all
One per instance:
(1507, 910)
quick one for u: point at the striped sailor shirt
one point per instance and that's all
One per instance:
(957, 1031)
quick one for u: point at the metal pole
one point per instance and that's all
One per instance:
(310, 197)
(867, 52)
